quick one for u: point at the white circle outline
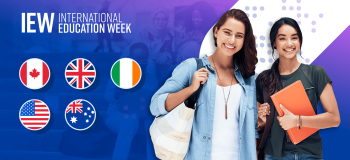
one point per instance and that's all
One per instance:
(19, 115)
(91, 82)
(137, 81)
(21, 78)
(86, 127)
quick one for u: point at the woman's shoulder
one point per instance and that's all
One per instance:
(260, 78)
(188, 65)
(263, 73)
(314, 70)
(188, 62)
(184, 71)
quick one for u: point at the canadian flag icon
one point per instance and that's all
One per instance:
(34, 73)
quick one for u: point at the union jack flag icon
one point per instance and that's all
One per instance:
(80, 73)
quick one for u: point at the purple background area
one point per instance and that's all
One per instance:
(335, 60)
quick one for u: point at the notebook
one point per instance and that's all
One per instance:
(295, 99)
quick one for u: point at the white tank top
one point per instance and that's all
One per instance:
(225, 138)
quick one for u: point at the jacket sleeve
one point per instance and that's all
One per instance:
(180, 79)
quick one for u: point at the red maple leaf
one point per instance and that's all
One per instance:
(34, 73)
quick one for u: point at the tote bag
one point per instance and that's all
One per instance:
(171, 133)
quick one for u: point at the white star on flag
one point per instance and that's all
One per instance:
(73, 119)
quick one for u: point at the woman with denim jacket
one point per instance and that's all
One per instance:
(225, 120)
(286, 38)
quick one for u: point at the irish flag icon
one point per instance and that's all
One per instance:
(34, 73)
(126, 73)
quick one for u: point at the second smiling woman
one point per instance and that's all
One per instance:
(286, 38)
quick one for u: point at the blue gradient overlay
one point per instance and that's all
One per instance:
(122, 116)
(171, 31)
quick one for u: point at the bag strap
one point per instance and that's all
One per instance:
(191, 100)
(267, 99)
(306, 72)
(269, 119)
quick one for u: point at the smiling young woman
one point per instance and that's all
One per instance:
(225, 120)
(286, 38)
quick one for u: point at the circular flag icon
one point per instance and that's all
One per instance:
(34, 114)
(34, 73)
(126, 73)
(80, 114)
(80, 73)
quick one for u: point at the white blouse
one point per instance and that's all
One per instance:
(225, 138)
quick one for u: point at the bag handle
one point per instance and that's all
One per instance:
(191, 100)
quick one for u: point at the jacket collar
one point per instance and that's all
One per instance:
(209, 66)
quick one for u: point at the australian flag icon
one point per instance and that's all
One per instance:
(80, 114)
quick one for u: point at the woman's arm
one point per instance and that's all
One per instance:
(176, 87)
(174, 99)
(330, 118)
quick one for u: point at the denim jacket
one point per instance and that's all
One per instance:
(202, 129)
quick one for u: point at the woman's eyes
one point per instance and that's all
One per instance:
(295, 38)
(238, 36)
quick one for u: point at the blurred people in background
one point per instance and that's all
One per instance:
(159, 40)
(130, 109)
(201, 17)
(105, 35)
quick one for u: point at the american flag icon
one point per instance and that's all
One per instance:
(80, 73)
(34, 114)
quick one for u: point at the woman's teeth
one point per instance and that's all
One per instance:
(229, 46)
(288, 50)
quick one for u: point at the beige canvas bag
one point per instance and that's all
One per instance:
(171, 133)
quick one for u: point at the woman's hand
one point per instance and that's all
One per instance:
(199, 77)
(288, 120)
(174, 99)
(263, 110)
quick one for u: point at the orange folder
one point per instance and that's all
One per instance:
(295, 99)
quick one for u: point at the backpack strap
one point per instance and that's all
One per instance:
(269, 119)
(191, 100)
(306, 72)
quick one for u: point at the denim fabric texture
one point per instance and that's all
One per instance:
(202, 129)
(293, 156)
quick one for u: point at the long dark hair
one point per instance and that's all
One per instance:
(269, 78)
(245, 58)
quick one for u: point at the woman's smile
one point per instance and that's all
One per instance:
(289, 50)
(228, 46)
